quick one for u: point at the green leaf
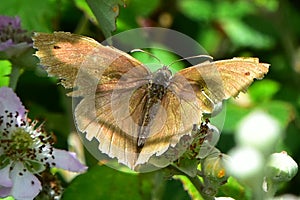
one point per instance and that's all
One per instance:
(34, 14)
(82, 5)
(197, 10)
(233, 9)
(242, 35)
(261, 91)
(7, 198)
(201, 10)
(189, 187)
(188, 166)
(5, 69)
(163, 58)
(136, 10)
(173, 190)
(271, 5)
(106, 12)
(210, 39)
(101, 182)
(234, 114)
(234, 189)
(142, 8)
(282, 111)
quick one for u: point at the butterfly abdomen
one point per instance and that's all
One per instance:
(154, 97)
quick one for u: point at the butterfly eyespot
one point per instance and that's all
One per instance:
(56, 47)
(247, 73)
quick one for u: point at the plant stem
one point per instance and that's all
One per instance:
(195, 181)
(14, 76)
(272, 188)
(199, 186)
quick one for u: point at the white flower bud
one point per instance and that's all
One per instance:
(246, 163)
(281, 167)
(258, 130)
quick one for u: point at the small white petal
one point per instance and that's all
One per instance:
(5, 181)
(281, 167)
(10, 101)
(25, 184)
(66, 160)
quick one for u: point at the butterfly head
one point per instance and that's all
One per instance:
(162, 76)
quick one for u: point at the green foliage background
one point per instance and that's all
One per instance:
(267, 29)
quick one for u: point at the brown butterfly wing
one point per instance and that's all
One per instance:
(166, 125)
(95, 117)
(196, 90)
(174, 119)
(215, 81)
(192, 92)
(64, 55)
(97, 73)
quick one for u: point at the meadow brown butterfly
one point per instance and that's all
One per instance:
(132, 112)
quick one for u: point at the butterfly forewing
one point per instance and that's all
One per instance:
(215, 81)
(64, 54)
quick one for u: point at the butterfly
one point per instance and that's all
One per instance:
(135, 114)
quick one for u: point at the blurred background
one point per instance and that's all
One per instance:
(267, 29)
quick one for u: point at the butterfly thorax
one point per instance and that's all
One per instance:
(156, 90)
(162, 76)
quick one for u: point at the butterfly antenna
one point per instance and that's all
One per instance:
(191, 57)
(150, 54)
